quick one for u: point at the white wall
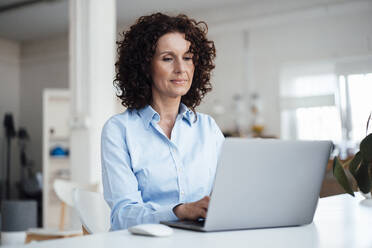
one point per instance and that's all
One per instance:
(311, 35)
(228, 77)
(44, 64)
(9, 95)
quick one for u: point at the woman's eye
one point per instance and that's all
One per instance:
(167, 59)
(187, 58)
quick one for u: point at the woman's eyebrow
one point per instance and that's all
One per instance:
(166, 52)
(172, 53)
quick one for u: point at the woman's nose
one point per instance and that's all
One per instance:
(179, 66)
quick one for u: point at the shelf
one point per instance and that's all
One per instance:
(59, 158)
(59, 139)
(56, 116)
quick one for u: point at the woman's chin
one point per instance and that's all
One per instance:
(178, 94)
(180, 91)
(172, 92)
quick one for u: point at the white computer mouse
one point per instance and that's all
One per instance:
(155, 230)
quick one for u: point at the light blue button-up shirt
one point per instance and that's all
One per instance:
(145, 174)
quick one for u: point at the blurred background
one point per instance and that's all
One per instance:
(290, 69)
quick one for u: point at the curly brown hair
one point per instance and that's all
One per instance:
(136, 50)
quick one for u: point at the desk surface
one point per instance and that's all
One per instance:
(340, 221)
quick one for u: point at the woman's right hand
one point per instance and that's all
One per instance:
(192, 210)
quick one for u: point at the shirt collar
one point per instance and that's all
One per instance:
(186, 113)
(148, 114)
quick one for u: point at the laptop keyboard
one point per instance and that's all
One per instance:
(200, 222)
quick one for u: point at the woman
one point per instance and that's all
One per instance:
(159, 157)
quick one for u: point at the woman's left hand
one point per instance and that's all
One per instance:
(193, 210)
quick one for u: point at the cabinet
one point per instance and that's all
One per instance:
(56, 138)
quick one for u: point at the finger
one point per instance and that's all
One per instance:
(206, 198)
(203, 213)
(204, 203)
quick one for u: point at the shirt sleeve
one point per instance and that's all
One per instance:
(120, 184)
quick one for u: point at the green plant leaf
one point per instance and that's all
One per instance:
(354, 163)
(347, 163)
(363, 179)
(366, 148)
(340, 175)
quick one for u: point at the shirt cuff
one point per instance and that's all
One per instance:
(166, 213)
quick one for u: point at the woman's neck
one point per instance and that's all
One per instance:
(167, 109)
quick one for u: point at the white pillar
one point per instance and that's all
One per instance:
(92, 58)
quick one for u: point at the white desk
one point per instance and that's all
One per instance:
(340, 221)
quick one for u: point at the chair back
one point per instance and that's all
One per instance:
(93, 211)
(64, 188)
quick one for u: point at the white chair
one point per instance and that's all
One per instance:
(93, 211)
(64, 190)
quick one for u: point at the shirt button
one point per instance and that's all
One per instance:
(182, 192)
(179, 169)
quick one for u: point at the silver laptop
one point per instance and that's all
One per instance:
(263, 183)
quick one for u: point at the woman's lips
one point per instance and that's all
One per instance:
(178, 81)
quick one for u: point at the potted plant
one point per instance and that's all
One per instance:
(360, 168)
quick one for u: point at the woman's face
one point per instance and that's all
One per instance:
(172, 67)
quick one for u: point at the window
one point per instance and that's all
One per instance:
(319, 123)
(316, 104)
(356, 102)
(309, 109)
